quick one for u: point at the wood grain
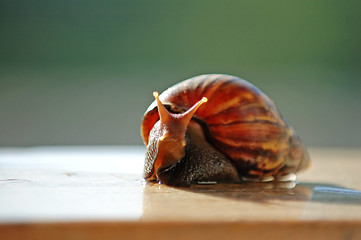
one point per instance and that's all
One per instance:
(98, 192)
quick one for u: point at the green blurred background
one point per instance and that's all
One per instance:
(83, 72)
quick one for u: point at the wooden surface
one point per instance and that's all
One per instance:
(97, 192)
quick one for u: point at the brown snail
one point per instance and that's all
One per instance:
(237, 134)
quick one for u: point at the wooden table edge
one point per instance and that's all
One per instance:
(313, 229)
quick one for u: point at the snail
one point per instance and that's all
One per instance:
(218, 128)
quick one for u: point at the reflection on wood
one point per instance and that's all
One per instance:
(59, 194)
(225, 202)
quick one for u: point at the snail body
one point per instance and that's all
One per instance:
(218, 128)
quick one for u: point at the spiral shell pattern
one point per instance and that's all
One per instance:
(238, 120)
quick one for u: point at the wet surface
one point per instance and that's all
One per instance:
(282, 191)
(252, 201)
(61, 185)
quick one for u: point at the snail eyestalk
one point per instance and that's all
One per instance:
(163, 112)
(183, 118)
(187, 116)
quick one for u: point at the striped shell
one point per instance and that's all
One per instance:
(238, 120)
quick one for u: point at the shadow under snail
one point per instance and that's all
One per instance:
(218, 128)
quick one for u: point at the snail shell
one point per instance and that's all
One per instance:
(238, 133)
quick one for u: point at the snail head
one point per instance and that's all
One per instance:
(172, 131)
